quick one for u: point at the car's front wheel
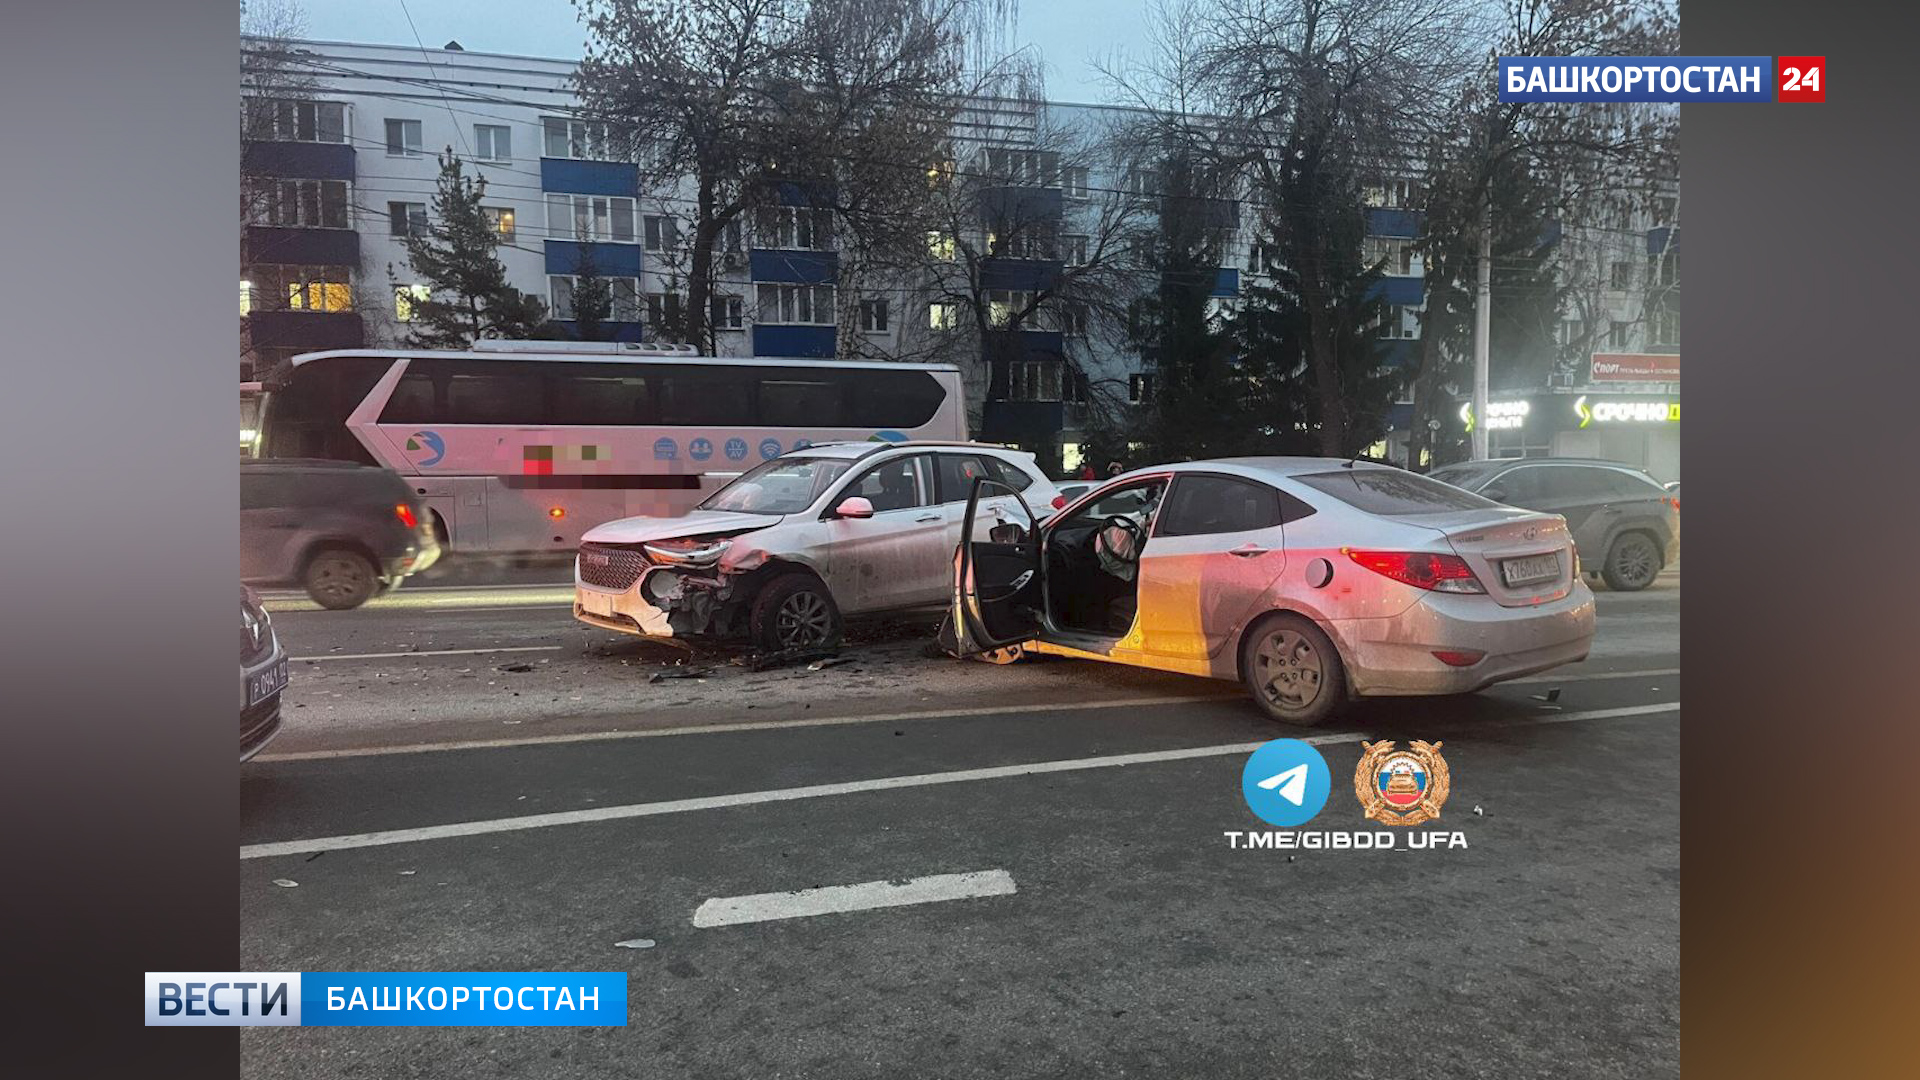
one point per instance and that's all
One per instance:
(1293, 670)
(340, 578)
(1632, 563)
(795, 611)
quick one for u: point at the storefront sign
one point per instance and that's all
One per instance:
(1636, 367)
(1626, 410)
(1501, 415)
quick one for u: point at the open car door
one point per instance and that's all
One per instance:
(997, 581)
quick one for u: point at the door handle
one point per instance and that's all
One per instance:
(1248, 551)
(927, 518)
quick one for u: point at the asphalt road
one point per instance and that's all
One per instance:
(436, 821)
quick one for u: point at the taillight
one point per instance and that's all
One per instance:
(1458, 657)
(1673, 501)
(1421, 569)
(405, 514)
(1059, 501)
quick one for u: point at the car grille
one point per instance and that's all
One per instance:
(610, 567)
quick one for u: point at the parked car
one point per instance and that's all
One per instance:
(1074, 489)
(1626, 525)
(791, 546)
(263, 675)
(1311, 580)
(343, 531)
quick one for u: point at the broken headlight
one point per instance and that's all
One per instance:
(687, 552)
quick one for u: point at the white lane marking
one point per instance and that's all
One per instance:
(758, 725)
(295, 594)
(752, 798)
(426, 652)
(836, 899)
(1589, 676)
(376, 608)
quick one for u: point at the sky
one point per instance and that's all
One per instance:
(1068, 34)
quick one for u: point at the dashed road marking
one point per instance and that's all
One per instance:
(866, 896)
(426, 652)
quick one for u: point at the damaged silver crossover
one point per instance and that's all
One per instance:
(784, 551)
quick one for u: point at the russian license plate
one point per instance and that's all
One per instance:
(1530, 570)
(596, 603)
(267, 683)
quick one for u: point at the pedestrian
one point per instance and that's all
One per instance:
(1114, 469)
(1086, 471)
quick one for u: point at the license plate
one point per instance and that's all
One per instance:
(1530, 570)
(596, 603)
(268, 683)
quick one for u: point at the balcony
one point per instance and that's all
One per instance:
(305, 331)
(300, 247)
(297, 160)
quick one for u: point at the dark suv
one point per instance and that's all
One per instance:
(1622, 520)
(342, 531)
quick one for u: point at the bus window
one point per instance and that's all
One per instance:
(446, 391)
(717, 396)
(815, 399)
(306, 414)
(893, 399)
(586, 396)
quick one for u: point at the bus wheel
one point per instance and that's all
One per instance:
(795, 611)
(340, 578)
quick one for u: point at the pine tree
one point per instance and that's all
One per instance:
(455, 257)
(592, 298)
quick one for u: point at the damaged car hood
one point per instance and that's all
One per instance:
(636, 530)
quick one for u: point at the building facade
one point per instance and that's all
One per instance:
(341, 161)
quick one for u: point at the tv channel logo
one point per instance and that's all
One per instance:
(1286, 782)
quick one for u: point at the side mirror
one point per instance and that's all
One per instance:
(854, 506)
(1006, 532)
(1495, 492)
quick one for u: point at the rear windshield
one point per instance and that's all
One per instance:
(1466, 476)
(1392, 492)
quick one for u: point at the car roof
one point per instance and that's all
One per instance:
(1262, 466)
(854, 450)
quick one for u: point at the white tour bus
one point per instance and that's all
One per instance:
(522, 446)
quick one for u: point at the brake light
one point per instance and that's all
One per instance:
(1421, 569)
(1458, 657)
(405, 514)
(1673, 501)
(1059, 501)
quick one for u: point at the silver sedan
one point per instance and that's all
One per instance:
(1312, 580)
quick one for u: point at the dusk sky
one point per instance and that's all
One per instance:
(1068, 33)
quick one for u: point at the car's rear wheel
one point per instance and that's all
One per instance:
(1632, 563)
(340, 578)
(795, 611)
(1293, 670)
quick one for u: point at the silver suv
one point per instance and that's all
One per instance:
(785, 550)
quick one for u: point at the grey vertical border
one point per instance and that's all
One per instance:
(118, 410)
(1802, 383)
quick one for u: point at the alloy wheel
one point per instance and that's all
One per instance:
(1634, 561)
(803, 620)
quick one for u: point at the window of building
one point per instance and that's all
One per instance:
(1073, 180)
(598, 218)
(660, 231)
(1033, 380)
(942, 246)
(1140, 387)
(1073, 319)
(1620, 275)
(727, 313)
(246, 297)
(793, 228)
(730, 236)
(1666, 327)
(278, 120)
(803, 305)
(318, 288)
(1663, 271)
(579, 139)
(403, 138)
(1617, 334)
(1396, 255)
(1140, 182)
(1006, 305)
(1029, 241)
(1398, 322)
(663, 310)
(1396, 193)
(624, 293)
(1074, 249)
(943, 316)
(501, 219)
(1572, 331)
(493, 142)
(407, 219)
(873, 315)
(1034, 168)
(405, 297)
(307, 204)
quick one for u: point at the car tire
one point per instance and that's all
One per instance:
(340, 579)
(1632, 562)
(794, 611)
(1282, 657)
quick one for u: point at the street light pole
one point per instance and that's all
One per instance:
(1482, 326)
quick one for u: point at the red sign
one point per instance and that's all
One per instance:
(1801, 78)
(1636, 367)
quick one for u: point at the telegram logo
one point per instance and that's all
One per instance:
(1286, 782)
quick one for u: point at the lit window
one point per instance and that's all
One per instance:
(246, 298)
(501, 219)
(943, 316)
(941, 246)
(405, 297)
(318, 288)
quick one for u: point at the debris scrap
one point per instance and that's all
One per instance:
(680, 673)
(636, 943)
(286, 883)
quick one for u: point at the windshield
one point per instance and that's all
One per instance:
(782, 486)
(1392, 492)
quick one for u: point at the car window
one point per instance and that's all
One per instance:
(1392, 492)
(1008, 473)
(957, 472)
(781, 486)
(1137, 501)
(1625, 485)
(1201, 505)
(890, 485)
(1518, 485)
(1578, 482)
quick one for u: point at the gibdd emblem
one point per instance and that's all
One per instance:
(1401, 787)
